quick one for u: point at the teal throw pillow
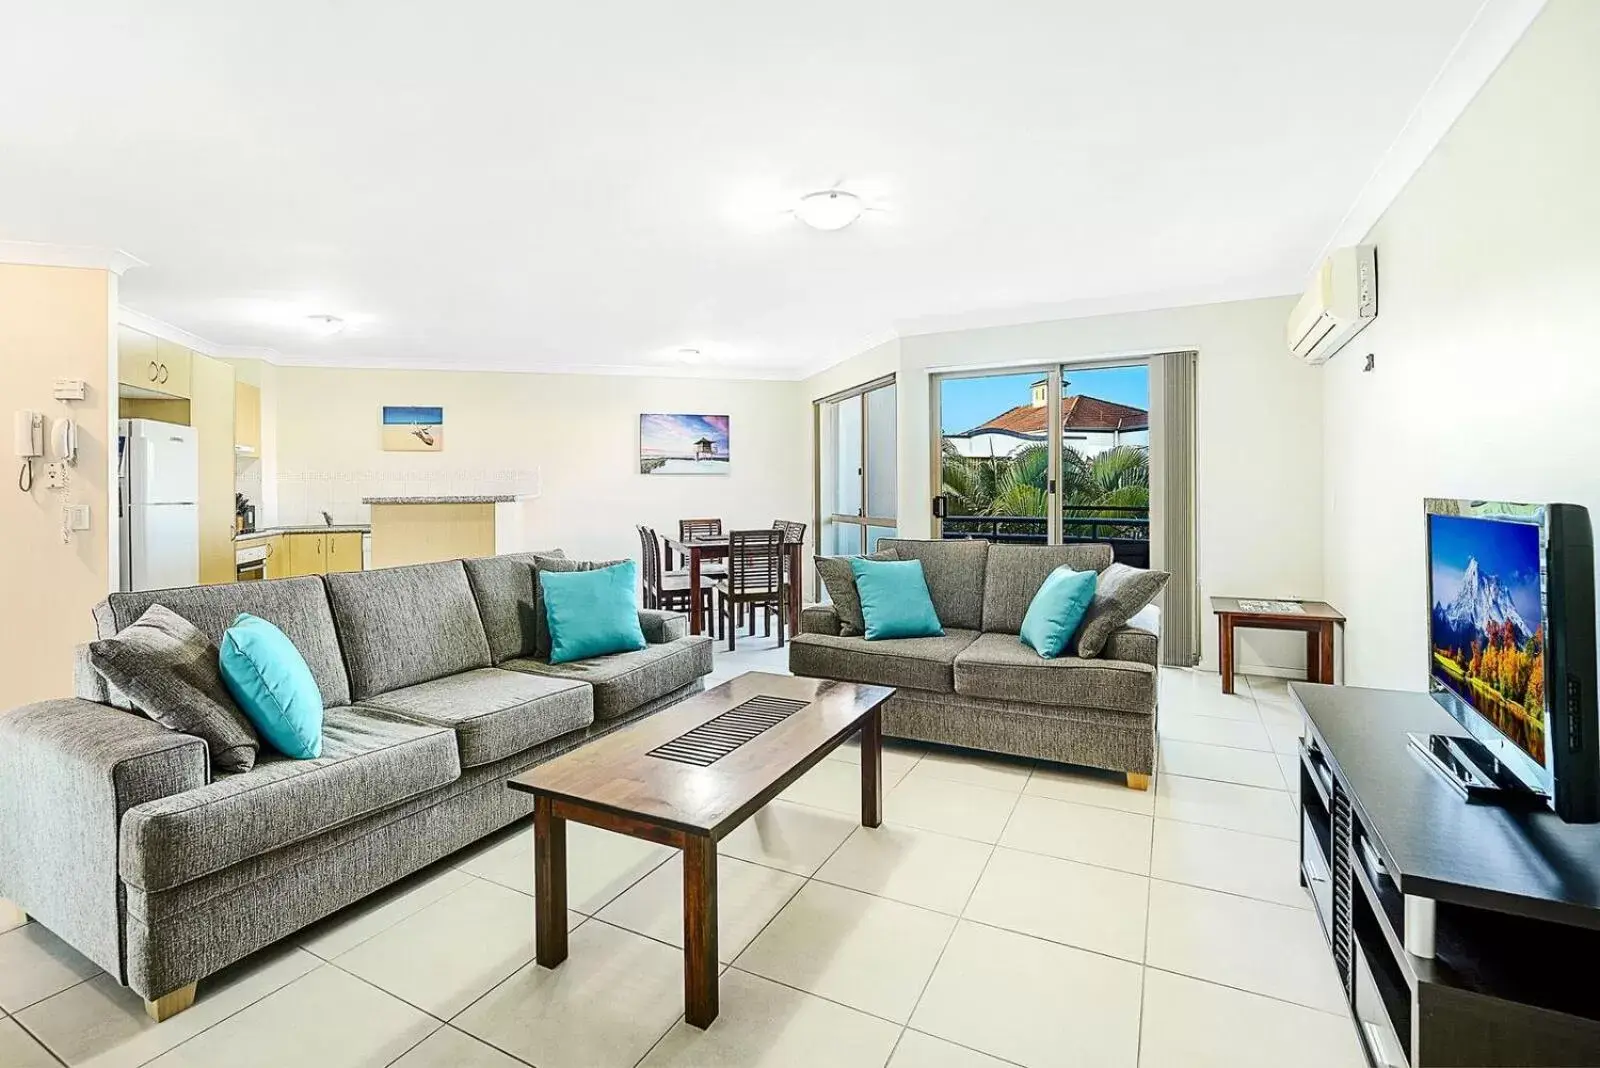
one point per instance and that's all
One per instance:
(1057, 610)
(269, 679)
(894, 599)
(591, 613)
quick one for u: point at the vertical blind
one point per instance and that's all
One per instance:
(1180, 617)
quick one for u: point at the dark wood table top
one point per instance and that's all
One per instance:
(616, 773)
(1314, 610)
(1434, 842)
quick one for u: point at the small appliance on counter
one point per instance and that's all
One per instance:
(244, 514)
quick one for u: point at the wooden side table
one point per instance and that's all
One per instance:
(1316, 618)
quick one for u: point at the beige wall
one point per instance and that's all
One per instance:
(1258, 478)
(573, 437)
(1486, 378)
(55, 322)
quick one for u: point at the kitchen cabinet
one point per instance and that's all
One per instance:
(246, 419)
(153, 365)
(344, 551)
(307, 554)
(277, 559)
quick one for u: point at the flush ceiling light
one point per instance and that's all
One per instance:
(831, 209)
(325, 325)
(687, 355)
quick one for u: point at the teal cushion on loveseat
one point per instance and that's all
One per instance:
(592, 613)
(272, 683)
(894, 599)
(1056, 611)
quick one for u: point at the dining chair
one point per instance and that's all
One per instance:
(755, 579)
(701, 528)
(792, 529)
(669, 590)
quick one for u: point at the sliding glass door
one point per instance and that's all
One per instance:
(1046, 456)
(857, 482)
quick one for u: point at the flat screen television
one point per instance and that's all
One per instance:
(1511, 643)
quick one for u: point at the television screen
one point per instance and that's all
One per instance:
(1487, 626)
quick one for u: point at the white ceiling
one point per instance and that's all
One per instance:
(593, 185)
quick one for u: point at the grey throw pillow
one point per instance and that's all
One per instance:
(168, 669)
(1120, 593)
(840, 581)
(556, 561)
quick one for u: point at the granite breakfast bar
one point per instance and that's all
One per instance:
(419, 530)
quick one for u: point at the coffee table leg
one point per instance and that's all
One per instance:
(872, 769)
(699, 930)
(549, 883)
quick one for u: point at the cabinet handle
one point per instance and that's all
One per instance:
(163, 374)
(319, 546)
(155, 371)
(269, 550)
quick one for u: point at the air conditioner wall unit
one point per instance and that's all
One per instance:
(1340, 303)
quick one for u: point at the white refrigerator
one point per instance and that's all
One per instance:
(159, 480)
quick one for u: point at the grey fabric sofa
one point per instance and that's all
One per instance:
(116, 834)
(978, 686)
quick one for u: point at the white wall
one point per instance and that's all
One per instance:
(1258, 438)
(1487, 340)
(55, 322)
(573, 438)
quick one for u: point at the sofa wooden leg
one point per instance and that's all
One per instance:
(169, 1005)
(11, 915)
(1137, 781)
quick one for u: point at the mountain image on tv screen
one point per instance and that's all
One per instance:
(1486, 626)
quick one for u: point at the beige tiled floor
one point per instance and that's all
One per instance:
(1006, 913)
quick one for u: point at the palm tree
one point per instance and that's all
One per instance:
(1098, 486)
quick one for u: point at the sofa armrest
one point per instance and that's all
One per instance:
(1138, 640)
(819, 619)
(662, 627)
(69, 769)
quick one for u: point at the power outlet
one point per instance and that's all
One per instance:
(77, 516)
(55, 475)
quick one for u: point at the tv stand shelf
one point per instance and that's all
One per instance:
(1464, 934)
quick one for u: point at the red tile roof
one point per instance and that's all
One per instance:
(1078, 412)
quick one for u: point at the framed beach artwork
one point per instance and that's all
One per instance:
(683, 444)
(413, 428)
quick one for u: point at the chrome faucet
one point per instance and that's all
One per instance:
(327, 519)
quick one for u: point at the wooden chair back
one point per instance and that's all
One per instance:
(699, 528)
(793, 531)
(755, 561)
(650, 566)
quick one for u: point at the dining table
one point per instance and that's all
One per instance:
(715, 547)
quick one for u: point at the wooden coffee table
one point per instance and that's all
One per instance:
(1316, 618)
(685, 777)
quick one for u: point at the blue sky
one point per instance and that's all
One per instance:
(674, 435)
(1509, 551)
(968, 402)
(412, 415)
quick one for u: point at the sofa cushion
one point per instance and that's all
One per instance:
(1000, 667)
(839, 578)
(169, 670)
(370, 760)
(297, 606)
(920, 663)
(624, 681)
(1123, 591)
(556, 564)
(405, 625)
(1013, 574)
(495, 713)
(507, 591)
(954, 570)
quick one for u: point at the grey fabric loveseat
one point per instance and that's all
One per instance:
(978, 686)
(118, 836)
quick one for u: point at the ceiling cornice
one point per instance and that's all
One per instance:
(1493, 33)
(697, 371)
(90, 257)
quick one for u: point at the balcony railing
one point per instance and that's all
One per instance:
(1127, 530)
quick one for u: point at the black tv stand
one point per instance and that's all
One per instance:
(1474, 772)
(1464, 934)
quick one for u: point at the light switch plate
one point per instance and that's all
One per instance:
(77, 516)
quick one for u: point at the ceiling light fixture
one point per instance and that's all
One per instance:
(688, 355)
(325, 325)
(831, 209)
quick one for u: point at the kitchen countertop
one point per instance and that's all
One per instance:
(306, 528)
(476, 498)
